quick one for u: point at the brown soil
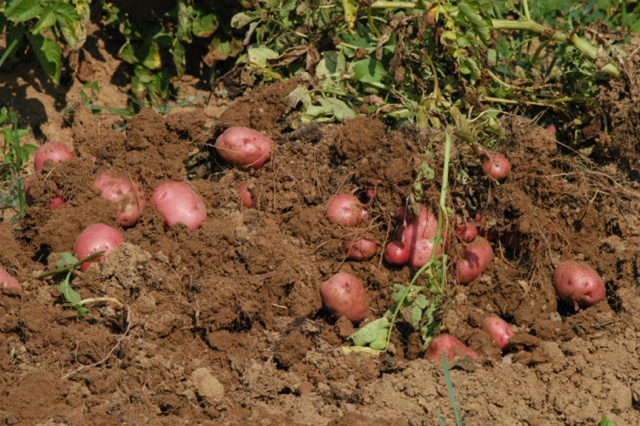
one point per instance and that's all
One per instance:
(225, 325)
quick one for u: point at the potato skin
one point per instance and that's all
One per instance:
(95, 238)
(244, 147)
(496, 166)
(53, 153)
(126, 194)
(8, 281)
(498, 330)
(577, 284)
(476, 257)
(453, 349)
(344, 296)
(360, 249)
(177, 203)
(345, 210)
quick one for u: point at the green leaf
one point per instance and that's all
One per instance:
(369, 71)
(47, 19)
(259, 55)
(22, 10)
(348, 350)
(339, 109)
(205, 26)
(71, 296)
(66, 259)
(179, 58)
(243, 19)
(67, 31)
(371, 332)
(48, 53)
(152, 59)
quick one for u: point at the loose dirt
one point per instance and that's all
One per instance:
(225, 325)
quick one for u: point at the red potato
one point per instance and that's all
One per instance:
(496, 166)
(54, 203)
(476, 257)
(246, 198)
(453, 349)
(498, 330)
(244, 147)
(344, 296)
(128, 196)
(551, 128)
(177, 203)
(360, 249)
(420, 234)
(95, 238)
(345, 210)
(52, 153)
(8, 281)
(577, 284)
(397, 253)
(467, 232)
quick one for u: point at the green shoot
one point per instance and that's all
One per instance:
(452, 395)
(67, 264)
(16, 155)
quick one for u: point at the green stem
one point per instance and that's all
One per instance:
(7, 52)
(442, 218)
(69, 268)
(395, 5)
(579, 43)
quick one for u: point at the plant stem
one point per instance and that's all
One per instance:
(7, 52)
(395, 5)
(69, 268)
(579, 43)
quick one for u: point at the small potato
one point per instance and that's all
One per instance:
(476, 257)
(496, 166)
(467, 232)
(51, 153)
(344, 296)
(177, 203)
(453, 349)
(95, 238)
(577, 284)
(8, 281)
(397, 253)
(360, 249)
(246, 198)
(498, 330)
(345, 210)
(127, 194)
(244, 147)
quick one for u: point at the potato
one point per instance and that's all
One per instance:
(345, 210)
(360, 249)
(95, 238)
(453, 349)
(50, 154)
(496, 166)
(476, 257)
(344, 296)
(177, 203)
(127, 195)
(577, 284)
(8, 281)
(244, 147)
(498, 330)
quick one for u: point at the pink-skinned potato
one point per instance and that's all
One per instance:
(453, 349)
(476, 257)
(420, 235)
(8, 281)
(50, 154)
(95, 238)
(498, 330)
(246, 197)
(577, 284)
(345, 210)
(396, 253)
(360, 249)
(177, 203)
(344, 296)
(127, 195)
(244, 147)
(496, 166)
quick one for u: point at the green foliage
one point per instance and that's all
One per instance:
(44, 24)
(66, 266)
(16, 155)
